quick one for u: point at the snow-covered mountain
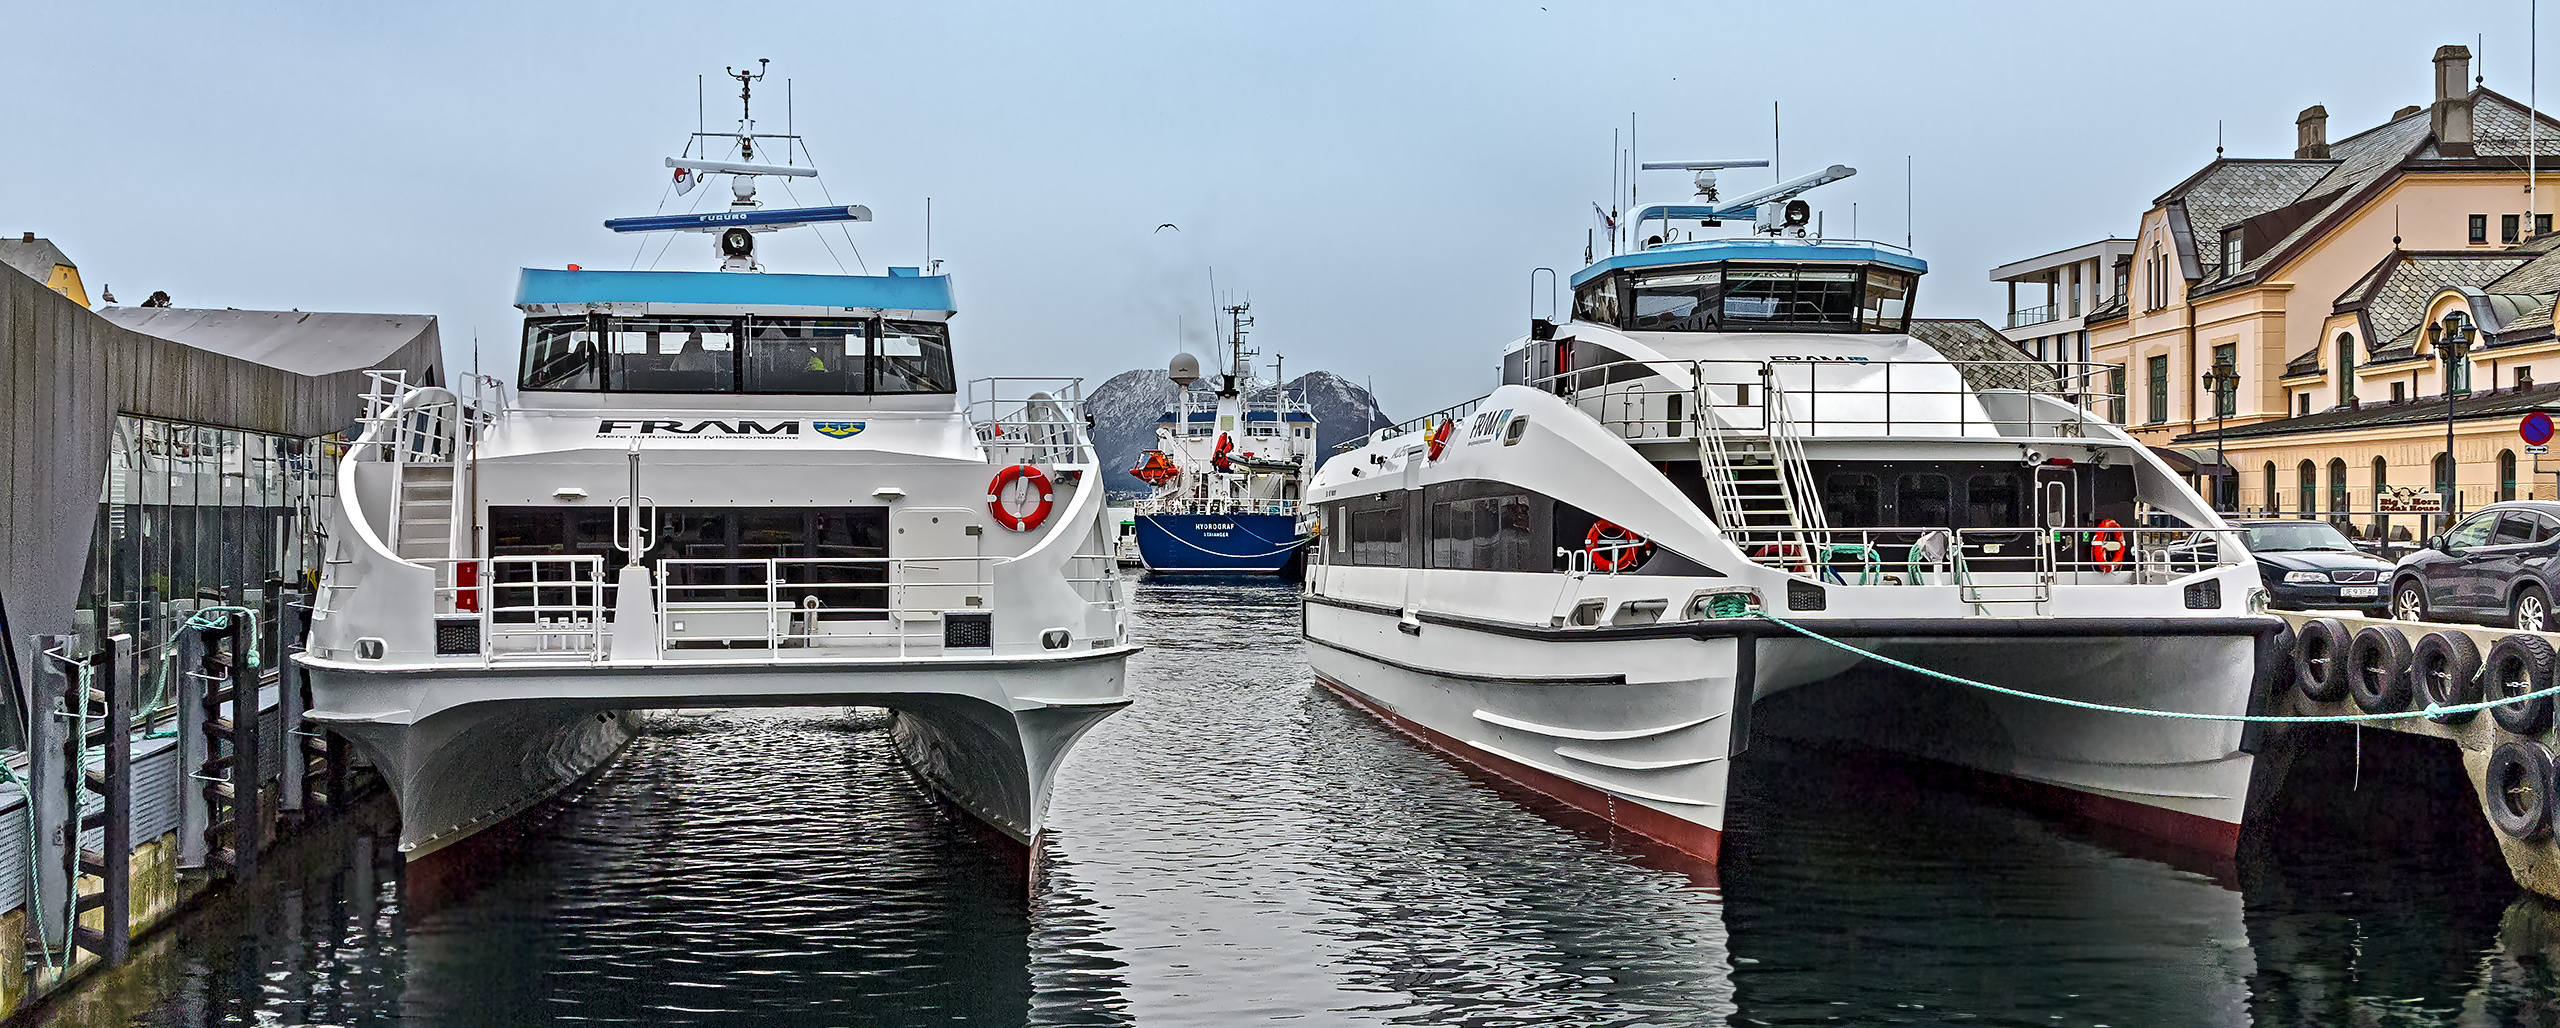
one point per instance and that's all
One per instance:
(1126, 407)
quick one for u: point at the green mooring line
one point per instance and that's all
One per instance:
(2431, 710)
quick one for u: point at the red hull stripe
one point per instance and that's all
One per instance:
(1688, 837)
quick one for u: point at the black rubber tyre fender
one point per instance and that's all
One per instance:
(2275, 663)
(2517, 789)
(2517, 665)
(2320, 659)
(2445, 669)
(2378, 670)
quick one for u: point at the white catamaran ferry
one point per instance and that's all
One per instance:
(1571, 581)
(718, 489)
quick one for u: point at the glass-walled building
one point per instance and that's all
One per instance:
(192, 517)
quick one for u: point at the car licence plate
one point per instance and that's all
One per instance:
(2351, 592)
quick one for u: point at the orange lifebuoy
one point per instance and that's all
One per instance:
(1613, 549)
(1005, 516)
(1790, 555)
(2106, 548)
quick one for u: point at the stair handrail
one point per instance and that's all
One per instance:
(1795, 473)
(1715, 462)
(386, 424)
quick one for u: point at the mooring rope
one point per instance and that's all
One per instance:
(1739, 608)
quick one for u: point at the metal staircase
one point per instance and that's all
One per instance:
(424, 528)
(1760, 483)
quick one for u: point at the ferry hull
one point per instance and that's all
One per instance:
(1229, 544)
(1641, 729)
(988, 738)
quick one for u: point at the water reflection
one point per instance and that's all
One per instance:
(1239, 847)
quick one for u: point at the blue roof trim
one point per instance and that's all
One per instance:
(545, 285)
(1264, 415)
(1748, 250)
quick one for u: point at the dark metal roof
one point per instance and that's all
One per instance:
(1971, 340)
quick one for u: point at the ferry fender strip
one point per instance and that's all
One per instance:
(1466, 677)
(1585, 734)
(1579, 778)
(1621, 763)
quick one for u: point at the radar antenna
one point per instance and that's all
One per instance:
(1706, 180)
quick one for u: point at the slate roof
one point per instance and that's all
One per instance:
(2399, 307)
(34, 258)
(2507, 403)
(2229, 192)
(1969, 339)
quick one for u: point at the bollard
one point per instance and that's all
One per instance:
(111, 731)
(49, 775)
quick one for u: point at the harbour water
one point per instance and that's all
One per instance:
(1239, 848)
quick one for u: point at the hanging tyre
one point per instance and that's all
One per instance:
(2445, 668)
(2519, 665)
(2517, 790)
(2378, 670)
(2320, 659)
(2275, 662)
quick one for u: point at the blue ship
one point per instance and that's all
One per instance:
(1226, 471)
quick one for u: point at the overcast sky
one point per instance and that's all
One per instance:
(1379, 177)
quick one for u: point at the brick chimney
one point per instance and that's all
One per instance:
(2311, 133)
(2450, 120)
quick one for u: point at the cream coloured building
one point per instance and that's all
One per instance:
(2311, 277)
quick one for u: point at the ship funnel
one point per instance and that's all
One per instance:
(1184, 370)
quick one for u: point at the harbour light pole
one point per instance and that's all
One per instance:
(2452, 339)
(2220, 381)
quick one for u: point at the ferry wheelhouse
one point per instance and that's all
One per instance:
(1561, 581)
(714, 489)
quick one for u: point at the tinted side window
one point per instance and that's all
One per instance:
(2514, 529)
(1925, 501)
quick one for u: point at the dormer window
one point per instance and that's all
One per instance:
(2230, 250)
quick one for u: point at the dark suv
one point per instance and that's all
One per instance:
(2310, 565)
(2493, 567)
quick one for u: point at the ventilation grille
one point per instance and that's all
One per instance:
(963, 630)
(458, 635)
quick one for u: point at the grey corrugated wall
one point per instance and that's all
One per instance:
(65, 376)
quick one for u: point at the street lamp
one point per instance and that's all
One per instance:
(2219, 381)
(2452, 339)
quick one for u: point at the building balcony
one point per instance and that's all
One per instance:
(2034, 315)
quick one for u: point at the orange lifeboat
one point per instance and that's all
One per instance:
(1157, 469)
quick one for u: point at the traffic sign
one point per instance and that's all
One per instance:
(2537, 450)
(2535, 428)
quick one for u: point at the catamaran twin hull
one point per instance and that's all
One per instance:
(1640, 724)
(986, 735)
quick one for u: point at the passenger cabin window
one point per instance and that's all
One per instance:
(1751, 297)
(774, 356)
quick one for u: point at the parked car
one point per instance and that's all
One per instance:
(2310, 565)
(2493, 567)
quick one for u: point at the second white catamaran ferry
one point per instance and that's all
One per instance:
(717, 489)
(1563, 582)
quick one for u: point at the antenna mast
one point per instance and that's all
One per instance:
(746, 106)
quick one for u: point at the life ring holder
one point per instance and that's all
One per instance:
(2106, 546)
(1039, 484)
(1612, 549)
(1789, 557)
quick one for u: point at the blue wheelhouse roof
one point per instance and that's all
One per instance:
(1707, 250)
(893, 291)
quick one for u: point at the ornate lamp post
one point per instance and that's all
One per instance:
(2453, 343)
(2219, 381)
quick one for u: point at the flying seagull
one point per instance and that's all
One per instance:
(1168, 225)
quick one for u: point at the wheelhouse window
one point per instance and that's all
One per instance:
(672, 355)
(1748, 297)
(807, 355)
(914, 357)
(786, 356)
(1688, 300)
(561, 353)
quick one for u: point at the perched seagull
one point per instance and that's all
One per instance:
(1168, 225)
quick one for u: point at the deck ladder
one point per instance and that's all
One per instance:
(1760, 483)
